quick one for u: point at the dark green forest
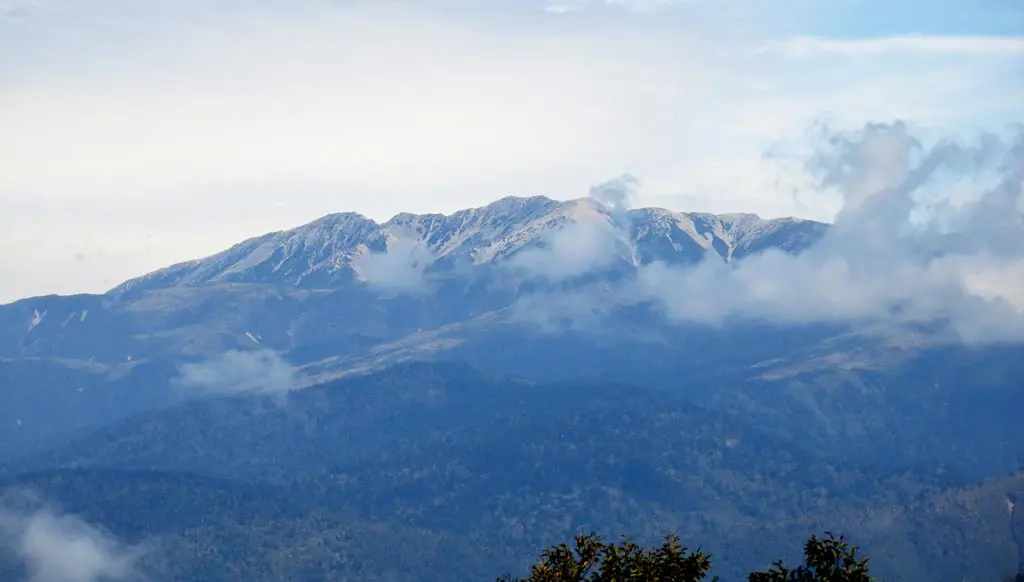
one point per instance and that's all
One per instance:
(438, 473)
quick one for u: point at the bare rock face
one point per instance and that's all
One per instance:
(341, 248)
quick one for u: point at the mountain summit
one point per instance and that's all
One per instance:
(346, 248)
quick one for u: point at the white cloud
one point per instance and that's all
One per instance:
(618, 194)
(63, 548)
(564, 6)
(400, 268)
(958, 263)
(905, 250)
(13, 9)
(589, 239)
(641, 6)
(804, 46)
(261, 372)
(574, 249)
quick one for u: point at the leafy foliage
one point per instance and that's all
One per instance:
(828, 559)
(591, 559)
(594, 560)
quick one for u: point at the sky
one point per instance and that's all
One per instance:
(138, 134)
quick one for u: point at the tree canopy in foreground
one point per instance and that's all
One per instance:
(591, 559)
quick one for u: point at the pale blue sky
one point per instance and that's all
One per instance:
(136, 133)
(939, 17)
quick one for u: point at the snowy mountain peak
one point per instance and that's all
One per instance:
(333, 250)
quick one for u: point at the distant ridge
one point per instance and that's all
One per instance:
(329, 251)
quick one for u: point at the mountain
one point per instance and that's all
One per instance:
(346, 281)
(333, 294)
(339, 249)
(440, 459)
(496, 379)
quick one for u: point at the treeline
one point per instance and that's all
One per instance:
(592, 559)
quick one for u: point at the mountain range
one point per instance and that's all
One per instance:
(341, 249)
(483, 383)
(344, 293)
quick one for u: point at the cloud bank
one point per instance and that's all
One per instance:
(927, 235)
(62, 548)
(262, 372)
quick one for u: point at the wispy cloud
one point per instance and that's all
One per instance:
(618, 194)
(863, 47)
(591, 236)
(641, 6)
(902, 249)
(55, 547)
(16, 9)
(588, 243)
(401, 267)
(926, 235)
(262, 372)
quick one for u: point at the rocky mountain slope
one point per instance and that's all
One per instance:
(343, 248)
(331, 294)
(412, 272)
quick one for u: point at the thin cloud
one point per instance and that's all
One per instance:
(592, 235)
(18, 9)
(639, 6)
(262, 372)
(55, 547)
(902, 252)
(804, 46)
(565, 6)
(618, 194)
(587, 243)
(401, 267)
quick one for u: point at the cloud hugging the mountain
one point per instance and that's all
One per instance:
(927, 235)
(262, 372)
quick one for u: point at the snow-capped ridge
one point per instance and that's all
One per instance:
(328, 251)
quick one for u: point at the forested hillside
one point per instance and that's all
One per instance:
(444, 461)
